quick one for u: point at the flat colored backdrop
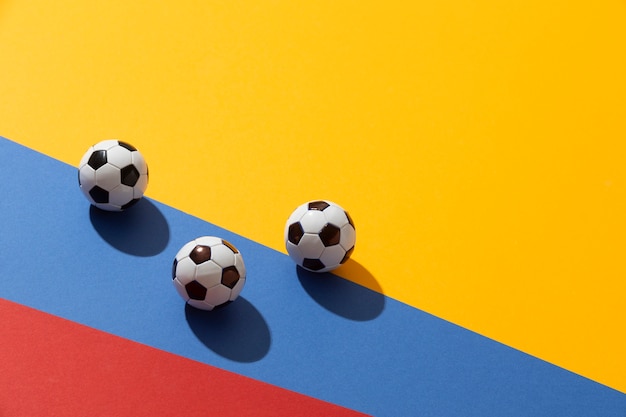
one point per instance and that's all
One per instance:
(479, 146)
(88, 313)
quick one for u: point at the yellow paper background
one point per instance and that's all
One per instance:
(479, 146)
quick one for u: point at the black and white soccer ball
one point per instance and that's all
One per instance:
(208, 272)
(320, 236)
(113, 175)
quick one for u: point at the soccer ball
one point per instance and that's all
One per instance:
(320, 236)
(113, 175)
(208, 272)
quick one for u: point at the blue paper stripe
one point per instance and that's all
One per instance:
(319, 335)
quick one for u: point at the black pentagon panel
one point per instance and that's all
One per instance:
(127, 146)
(130, 203)
(200, 254)
(295, 233)
(97, 159)
(330, 235)
(230, 246)
(99, 195)
(195, 290)
(347, 255)
(318, 205)
(174, 265)
(230, 276)
(129, 175)
(313, 264)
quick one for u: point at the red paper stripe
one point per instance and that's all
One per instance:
(50, 366)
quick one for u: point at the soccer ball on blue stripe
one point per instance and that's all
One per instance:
(208, 272)
(320, 236)
(113, 175)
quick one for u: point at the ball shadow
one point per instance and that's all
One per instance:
(237, 331)
(140, 230)
(343, 297)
